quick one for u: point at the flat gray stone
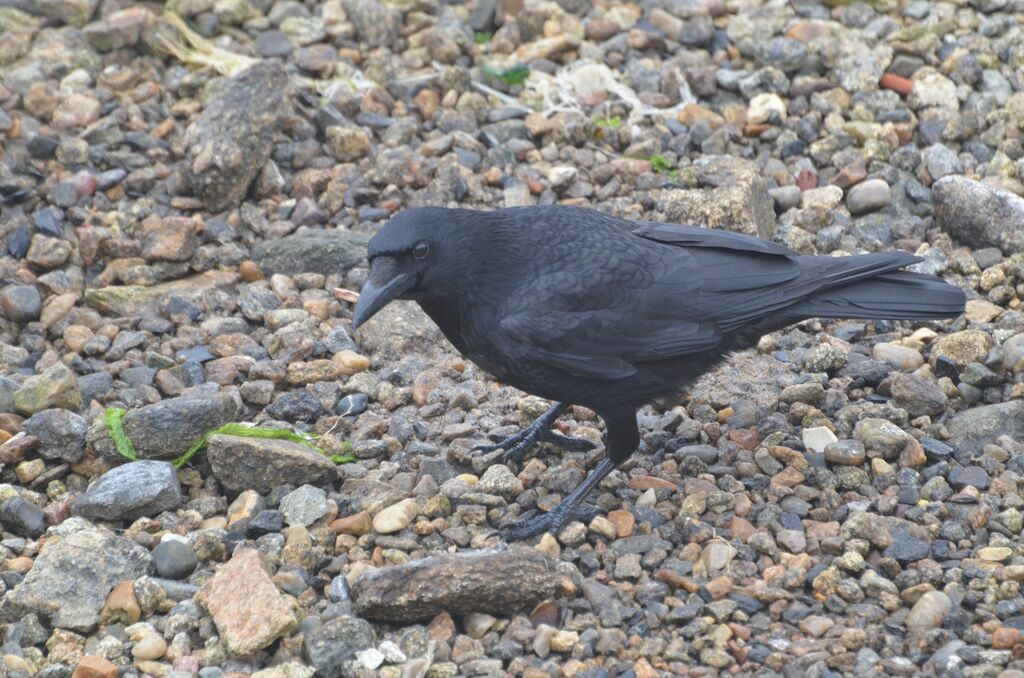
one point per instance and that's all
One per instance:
(498, 581)
(136, 489)
(230, 141)
(326, 252)
(979, 215)
(72, 577)
(979, 426)
(261, 464)
(169, 428)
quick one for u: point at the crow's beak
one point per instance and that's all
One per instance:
(385, 284)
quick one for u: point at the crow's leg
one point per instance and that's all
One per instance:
(622, 440)
(516, 447)
(554, 520)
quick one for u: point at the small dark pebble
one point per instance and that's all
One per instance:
(22, 517)
(269, 521)
(174, 559)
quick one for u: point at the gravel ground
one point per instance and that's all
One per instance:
(185, 207)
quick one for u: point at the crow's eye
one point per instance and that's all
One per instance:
(421, 250)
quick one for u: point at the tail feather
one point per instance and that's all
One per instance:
(900, 295)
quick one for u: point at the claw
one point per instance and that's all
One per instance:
(532, 527)
(518, 446)
(553, 521)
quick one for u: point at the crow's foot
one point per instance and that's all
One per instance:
(518, 446)
(553, 521)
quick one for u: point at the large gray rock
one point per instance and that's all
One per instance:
(974, 428)
(167, 429)
(56, 387)
(323, 252)
(498, 581)
(261, 464)
(230, 142)
(917, 395)
(61, 434)
(331, 648)
(733, 197)
(398, 329)
(979, 215)
(377, 24)
(70, 12)
(140, 488)
(72, 577)
(133, 300)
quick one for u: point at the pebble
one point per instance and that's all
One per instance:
(136, 489)
(174, 559)
(303, 506)
(215, 284)
(246, 607)
(929, 611)
(868, 196)
(396, 517)
(21, 303)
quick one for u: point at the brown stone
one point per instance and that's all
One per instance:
(912, 455)
(250, 271)
(356, 524)
(11, 423)
(243, 509)
(851, 174)
(651, 482)
(248, 610)
(94, 666)
(741, 528)
(20, 564)
(623, 522)
(719, 587)
(788, 477)
(496, 582)
(1005, 637)
(121, 607)
(747, 438)
(896, 83)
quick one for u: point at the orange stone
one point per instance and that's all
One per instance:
(94, 666)
(896, 83)
(741, 528)
(719, 587)
(356, 524)
(247, 609)
(21, 564)
(1005, 637)
(250, 271)
(623, 521)
(121, 605)
(644, 669)
(806, 180)
(647, 482)
(746, 438)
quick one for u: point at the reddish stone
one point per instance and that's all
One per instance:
(806, 180)
(896, 83)
(94, 666)
(647, 482)
(1005, 637)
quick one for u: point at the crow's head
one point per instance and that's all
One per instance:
(415, 253)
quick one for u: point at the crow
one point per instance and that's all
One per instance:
(580, 307)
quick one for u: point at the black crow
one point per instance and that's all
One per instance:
(580, 307)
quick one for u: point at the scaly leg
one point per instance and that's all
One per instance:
(518, 446)
(554, 520)
(622, 440)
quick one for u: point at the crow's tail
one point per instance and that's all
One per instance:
(888, 295)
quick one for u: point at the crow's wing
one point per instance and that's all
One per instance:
(631, 302)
